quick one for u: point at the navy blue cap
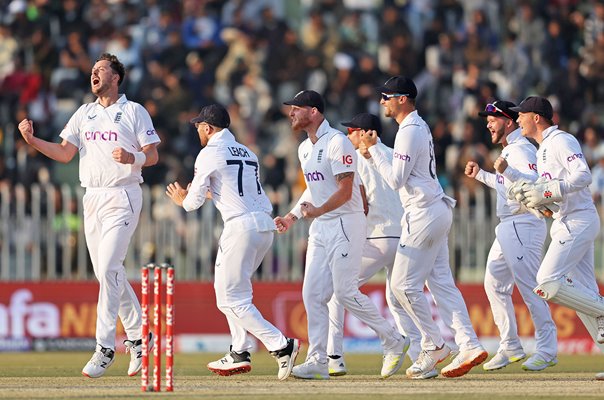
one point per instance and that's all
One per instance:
(215, 115)
(365, 121)
(307, 98)
(401, 85)
(536, 104)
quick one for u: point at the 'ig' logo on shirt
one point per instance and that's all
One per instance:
(347, 159)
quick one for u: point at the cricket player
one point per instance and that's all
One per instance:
(336, 236)
(115, 138)
(228, 172)
(423, 256)
(384, 213)
(566, 275)
(515, 255)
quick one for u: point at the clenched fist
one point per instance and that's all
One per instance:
(26, 127)
(472, 169)
(122, 156)
(500, 165)
(368, 138)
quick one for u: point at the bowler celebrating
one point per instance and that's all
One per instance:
(115, 138)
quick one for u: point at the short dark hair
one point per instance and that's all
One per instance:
(115, 64)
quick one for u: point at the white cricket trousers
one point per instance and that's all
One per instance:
(571, 253)
(243, 244)
(333, 261)
(378, 253)
(514, 258)
(423, 259)
(110, 219)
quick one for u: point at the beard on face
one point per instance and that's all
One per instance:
(102, 88)
(300, 122)
(498, 136)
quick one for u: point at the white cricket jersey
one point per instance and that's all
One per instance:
(230, 171)
(522, 164)
(385, 209)
(560, 157)
(331, 155)
(97, 130)
(413, 169)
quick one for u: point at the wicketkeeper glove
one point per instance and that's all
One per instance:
(539, 212)
(515, 190)
(541, 193)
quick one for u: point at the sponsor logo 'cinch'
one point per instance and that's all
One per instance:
(546, 175)
(314, 176)
(404, 157)
(574, 157)
(108, 136)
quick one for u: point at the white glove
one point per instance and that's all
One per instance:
(540, 194)
(515, 189)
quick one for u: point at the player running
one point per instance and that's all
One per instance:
(566, 275)
(335, 238)
(228, 171)
(423, 253)
(515, 255)
(379, 249)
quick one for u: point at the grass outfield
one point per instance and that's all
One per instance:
(57, 376)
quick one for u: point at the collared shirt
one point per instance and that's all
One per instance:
(560, 157)
(229, 170)
(96, 130)
(413, 169)
(522, 164)
(331, 155)
(385, 209)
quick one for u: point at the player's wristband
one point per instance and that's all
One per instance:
(296, 211)
(139, 159)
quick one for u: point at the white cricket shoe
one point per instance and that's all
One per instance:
(102, 359)
(600, 334)
(337, 366)
(503, 358)
(537, 362)
(464, 362)
(600, 376)
(135, 348)
(424, 366)
(286, 357)
(232, 363)
(393, 359)
(311, 369)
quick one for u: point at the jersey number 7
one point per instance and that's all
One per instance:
(240, 163)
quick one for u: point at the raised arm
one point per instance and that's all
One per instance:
(62, 152)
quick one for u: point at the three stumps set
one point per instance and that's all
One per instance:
(158, 269)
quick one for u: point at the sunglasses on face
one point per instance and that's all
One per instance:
(492, 108)
(388, 96)
(352, 130)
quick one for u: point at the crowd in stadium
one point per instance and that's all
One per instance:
(253, 55)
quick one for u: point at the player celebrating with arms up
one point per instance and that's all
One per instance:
(115, 138)
(228, 171)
